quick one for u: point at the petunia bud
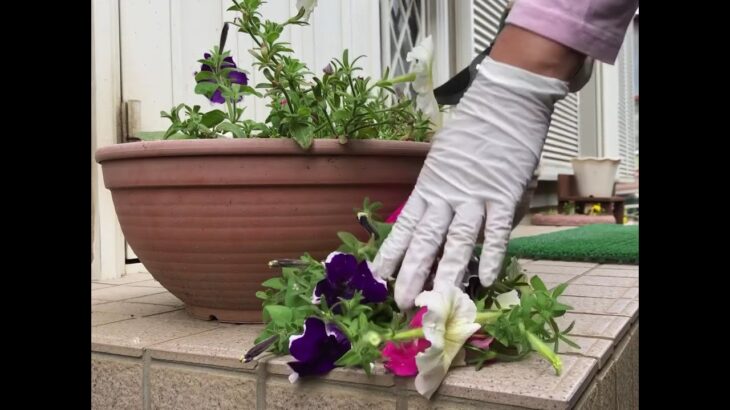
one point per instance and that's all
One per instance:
(373, 338)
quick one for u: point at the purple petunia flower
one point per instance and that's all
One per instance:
(236, 77)
(316, 349)
(344, 277)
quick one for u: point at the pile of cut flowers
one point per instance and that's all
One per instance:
(338, 313)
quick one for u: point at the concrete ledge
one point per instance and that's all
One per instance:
(146, 356)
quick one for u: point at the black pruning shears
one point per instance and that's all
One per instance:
(451, 91)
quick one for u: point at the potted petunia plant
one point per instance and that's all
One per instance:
(587, 214)
(219, 195)
(338, 313)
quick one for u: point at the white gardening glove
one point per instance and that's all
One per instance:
(479, 164)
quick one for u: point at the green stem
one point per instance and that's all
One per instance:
(405, 78)
(488, 317)
(288, 100)
(271, 66)
(352, 87)
(352, 117)
(234, 118)
(556, 330)
(544, 350)
(231, 111)
(409, 334)
(483, 318)
(329, 121)
(371, 125)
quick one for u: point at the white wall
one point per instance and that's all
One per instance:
(609, 110)
(107, 242)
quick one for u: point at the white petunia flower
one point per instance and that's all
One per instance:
(308, 6)
(447, 324)
(421, 59)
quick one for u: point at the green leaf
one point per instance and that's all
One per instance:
(205, 88)
(542, 300)
(280, 315)
(204, 76)
(317, 89)
(213, 118)
(350, 358)
(527, 301)
(151, 135)
(569, 328)
(256, 55)
(180, 136)
(291, 292)
(558, 290)
(514, 270)
(348, 239)
(271, 37)
(248, 90)
(480, 304)
(302, 134)
(569, 342)
(561, 307)
(363, 322)
(234, 129)
(262, 295)
(537, 283)
(275, 283)
(304, 112)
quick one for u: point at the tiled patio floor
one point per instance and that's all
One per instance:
(148, 353)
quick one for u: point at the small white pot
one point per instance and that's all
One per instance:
(594, 176)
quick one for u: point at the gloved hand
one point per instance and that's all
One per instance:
(479, 164)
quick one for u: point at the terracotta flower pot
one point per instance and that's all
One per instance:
(206, 216)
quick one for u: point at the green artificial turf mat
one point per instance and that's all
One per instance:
(590, 243)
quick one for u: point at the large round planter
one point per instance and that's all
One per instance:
(206, 216)
(595, 177)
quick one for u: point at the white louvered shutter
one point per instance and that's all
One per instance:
(486, 22)
(562, 140)
(626, 109)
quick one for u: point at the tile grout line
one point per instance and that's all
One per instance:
(612, 315)
(261, 375)
(122, 284)
(146, 380)
(162, 313)
(594, 297)
(132, 298)
(147, 303)
(401, 395)
(146, 348)
(582, 274)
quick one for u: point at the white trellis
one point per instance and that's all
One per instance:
(403, 25)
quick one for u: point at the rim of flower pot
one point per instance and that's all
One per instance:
(258, 146)
(600, 159)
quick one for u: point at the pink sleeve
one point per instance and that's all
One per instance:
(593, 27)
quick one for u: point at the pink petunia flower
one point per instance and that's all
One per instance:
(394, 216)
(401, 357)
